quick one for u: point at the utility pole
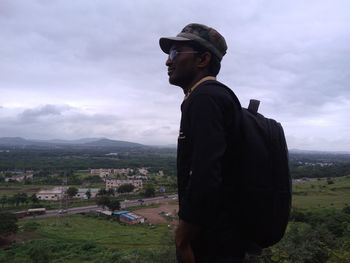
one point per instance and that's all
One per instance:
(63, 197)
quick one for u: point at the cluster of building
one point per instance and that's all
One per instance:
(111, 176)
(138, 173)
(322, 164)
(58, 193)
(116, 183)
(19, 176)
(134, 177)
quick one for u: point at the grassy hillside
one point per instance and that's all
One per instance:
(322, 193)
(88, 239)
(319, 231)
(319, 228)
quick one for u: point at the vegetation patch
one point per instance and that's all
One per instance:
(86, 239)
(315, 194)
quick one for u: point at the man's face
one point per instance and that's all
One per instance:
(182, 68)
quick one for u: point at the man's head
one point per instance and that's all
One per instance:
(194, 53)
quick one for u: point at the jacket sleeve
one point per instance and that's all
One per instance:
(207, 134)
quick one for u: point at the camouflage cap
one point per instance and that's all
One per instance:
(201, 34)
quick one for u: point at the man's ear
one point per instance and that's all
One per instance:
(204, 60)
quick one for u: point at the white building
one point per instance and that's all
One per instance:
(20, 177)
(143, 171)
(58, 193)
(82, 193)
(101, 172)
(54, 194)
(104, 172)
(141, 177)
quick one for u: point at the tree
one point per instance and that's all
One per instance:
(346, 209)
(149, 191)
(72, 191)
(88, 194)
(34, 199)
(20, 198)
(113, 204)
(39, 254)
(7, 223)
(3, 200)
(42, 174)
(110, 192)
(102, 192)
(103, 201)
(95, 179)
(126, 188)
(24, 198)
(11, 200)
(330, 181)
(27, 181)
(16, 199)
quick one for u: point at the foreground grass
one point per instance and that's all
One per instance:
(86, 239)
(103, 232)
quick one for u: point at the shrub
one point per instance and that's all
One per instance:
(8, 223)
(126, 188)
(330, 181)
(297, 216)
(88, 245)
(346, 209)
(39, 254)
(30, 226)
(303, 243)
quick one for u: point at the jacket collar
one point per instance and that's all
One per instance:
(197, 84)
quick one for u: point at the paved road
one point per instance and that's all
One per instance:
(124, 204)
(69, 211)
(147, 201)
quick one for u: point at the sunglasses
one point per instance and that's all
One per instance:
(173, 53)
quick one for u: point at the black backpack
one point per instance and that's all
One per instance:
(265, 182)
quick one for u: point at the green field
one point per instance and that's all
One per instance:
(319, 231)
(11, 189)
(322, 193)
(89, 239)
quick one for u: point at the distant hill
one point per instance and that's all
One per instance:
(14, 141)
(112, 143)
(78, 141)
(18, 142)
(297, 151)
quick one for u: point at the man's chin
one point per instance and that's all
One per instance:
(173, 81)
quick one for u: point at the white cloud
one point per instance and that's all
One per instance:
(86, 68)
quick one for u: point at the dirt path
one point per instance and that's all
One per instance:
(165, 213)
(17, 238)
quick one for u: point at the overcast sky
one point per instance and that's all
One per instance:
(88, 68)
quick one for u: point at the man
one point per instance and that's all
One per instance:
(208, 229)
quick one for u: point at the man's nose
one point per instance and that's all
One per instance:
(168, 62)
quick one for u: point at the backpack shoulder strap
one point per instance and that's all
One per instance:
(254, 106)
(233, 95)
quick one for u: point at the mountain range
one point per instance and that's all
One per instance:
(18, 142)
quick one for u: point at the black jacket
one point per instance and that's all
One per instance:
(206, 141)
(206, 157)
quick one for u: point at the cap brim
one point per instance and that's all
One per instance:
(165, 43)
